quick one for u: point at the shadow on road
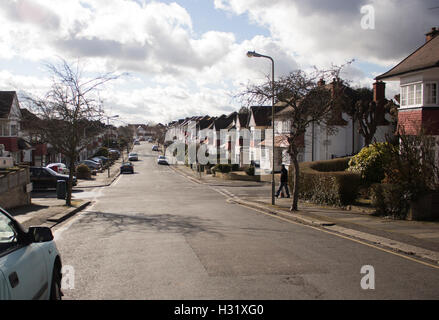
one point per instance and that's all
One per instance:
(187, 225)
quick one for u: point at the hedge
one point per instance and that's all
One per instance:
(83, 172)
(331, 187)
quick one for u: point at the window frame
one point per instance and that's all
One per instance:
(427, 93)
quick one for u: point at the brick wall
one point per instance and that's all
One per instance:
(414, 119)
(13, 189)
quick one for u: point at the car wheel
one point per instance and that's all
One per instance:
(55, 289)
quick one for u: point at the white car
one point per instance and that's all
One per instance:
(30, 264)
(58, 167)
(162, 160)
(133, 157)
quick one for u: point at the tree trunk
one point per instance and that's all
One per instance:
(69, 182)
(295, 188)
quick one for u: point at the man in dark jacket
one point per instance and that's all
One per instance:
(283, 182)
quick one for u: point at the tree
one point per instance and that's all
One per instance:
(305, 101)
(359, 104)
(70, 112)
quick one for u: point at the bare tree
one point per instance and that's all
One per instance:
(306, 101)
(70, 112)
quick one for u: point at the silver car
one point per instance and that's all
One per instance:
(30, 264)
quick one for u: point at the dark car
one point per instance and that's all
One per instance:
(104, 159)
(45, 178)
(127, 167)
(155, 148)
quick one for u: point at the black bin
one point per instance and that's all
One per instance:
(61, 189)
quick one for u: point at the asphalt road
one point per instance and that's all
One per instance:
(158, 235)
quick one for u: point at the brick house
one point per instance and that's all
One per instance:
(418, 75)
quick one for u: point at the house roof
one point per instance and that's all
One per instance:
(6, 100)
(425, 57)
(262, 114)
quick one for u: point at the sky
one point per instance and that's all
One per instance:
(184, 58)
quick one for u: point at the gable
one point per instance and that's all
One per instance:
(15, 112)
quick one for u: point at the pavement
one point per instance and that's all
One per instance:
(414, 238)
(47, 210)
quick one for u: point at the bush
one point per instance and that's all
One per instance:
(83, 172)
(334, 165)
(337, 188)
(102, 152)
(236, 167)
(250, 171)
(390, 200)
(223, 168)
(372, 161)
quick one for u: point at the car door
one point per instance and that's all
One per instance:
(49, 180)
(22, 265)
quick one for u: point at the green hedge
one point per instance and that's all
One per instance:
(335, 165)
(223, 168)
(337, 188)
(83, 172)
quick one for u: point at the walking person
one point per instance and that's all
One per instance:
(283, 182)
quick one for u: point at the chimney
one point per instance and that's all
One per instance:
(379, 91)
(433, 33)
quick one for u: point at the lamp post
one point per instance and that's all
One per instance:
(253, 54)
(108, 139)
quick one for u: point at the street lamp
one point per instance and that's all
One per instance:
(253, 54)
(108, 139)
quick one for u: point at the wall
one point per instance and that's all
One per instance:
(13, 189)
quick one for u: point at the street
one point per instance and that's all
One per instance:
(158, 235)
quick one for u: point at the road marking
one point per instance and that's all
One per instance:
(344, 237)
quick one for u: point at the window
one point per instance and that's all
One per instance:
(8, 235)
(431, 93)
(411, 95)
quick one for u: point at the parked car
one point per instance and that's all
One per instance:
(114, 154)
(58, 167)
(45, 178)
(137, 142)
(133, 157)
(150, 140)
(93, 165)
(155, 148)
(127, 167)
(162, 160)
(104, 159)
(30, 264)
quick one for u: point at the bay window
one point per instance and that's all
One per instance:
(419, 94)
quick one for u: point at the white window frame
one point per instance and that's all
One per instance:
(405, 93)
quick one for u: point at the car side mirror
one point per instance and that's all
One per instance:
(40, 234)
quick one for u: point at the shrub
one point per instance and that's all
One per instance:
(390, 200)
(83, 172)
(235, 167)
(223, 168)
(250, 171)
(103, 151)
(337, 188)
(372, 161)
(334, 165)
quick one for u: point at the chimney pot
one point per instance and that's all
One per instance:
(433, 33)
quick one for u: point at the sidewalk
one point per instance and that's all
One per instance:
(47, 210)
(102, 179)
(417, 238)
